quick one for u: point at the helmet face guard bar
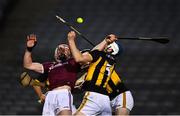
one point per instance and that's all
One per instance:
(60, 53)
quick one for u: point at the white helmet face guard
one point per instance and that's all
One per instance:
(114, 47)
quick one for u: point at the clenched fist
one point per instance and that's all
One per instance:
(110, 38)
(71, 35)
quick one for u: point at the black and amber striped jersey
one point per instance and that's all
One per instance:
(99, 72)
(44, 79)
(115, 86)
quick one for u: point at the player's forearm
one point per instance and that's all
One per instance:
(101, 46)
(108, 40)
(38, 91)
(27, 62)
(75, 51)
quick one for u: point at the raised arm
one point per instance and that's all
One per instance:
(86, 57)
(77, 55)
(39, 93)
(108, 40)
(27, 62)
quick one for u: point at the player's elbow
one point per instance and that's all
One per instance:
(27, 66)
(79, 60)
(83, 59)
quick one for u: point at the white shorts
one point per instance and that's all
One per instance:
(123, 100)
(56, 101)
(95, 104)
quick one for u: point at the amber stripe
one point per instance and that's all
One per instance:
(84, 101)
(124, 100)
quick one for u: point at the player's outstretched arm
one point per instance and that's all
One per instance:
(27, 61)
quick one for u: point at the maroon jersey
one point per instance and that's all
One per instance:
(60, 74)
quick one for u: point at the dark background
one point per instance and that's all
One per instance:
(149, 69)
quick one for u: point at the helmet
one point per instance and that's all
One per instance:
(62, 53)
(114, 48)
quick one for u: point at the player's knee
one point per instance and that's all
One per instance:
(122, 111)
(65, 112)
(78, 113)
